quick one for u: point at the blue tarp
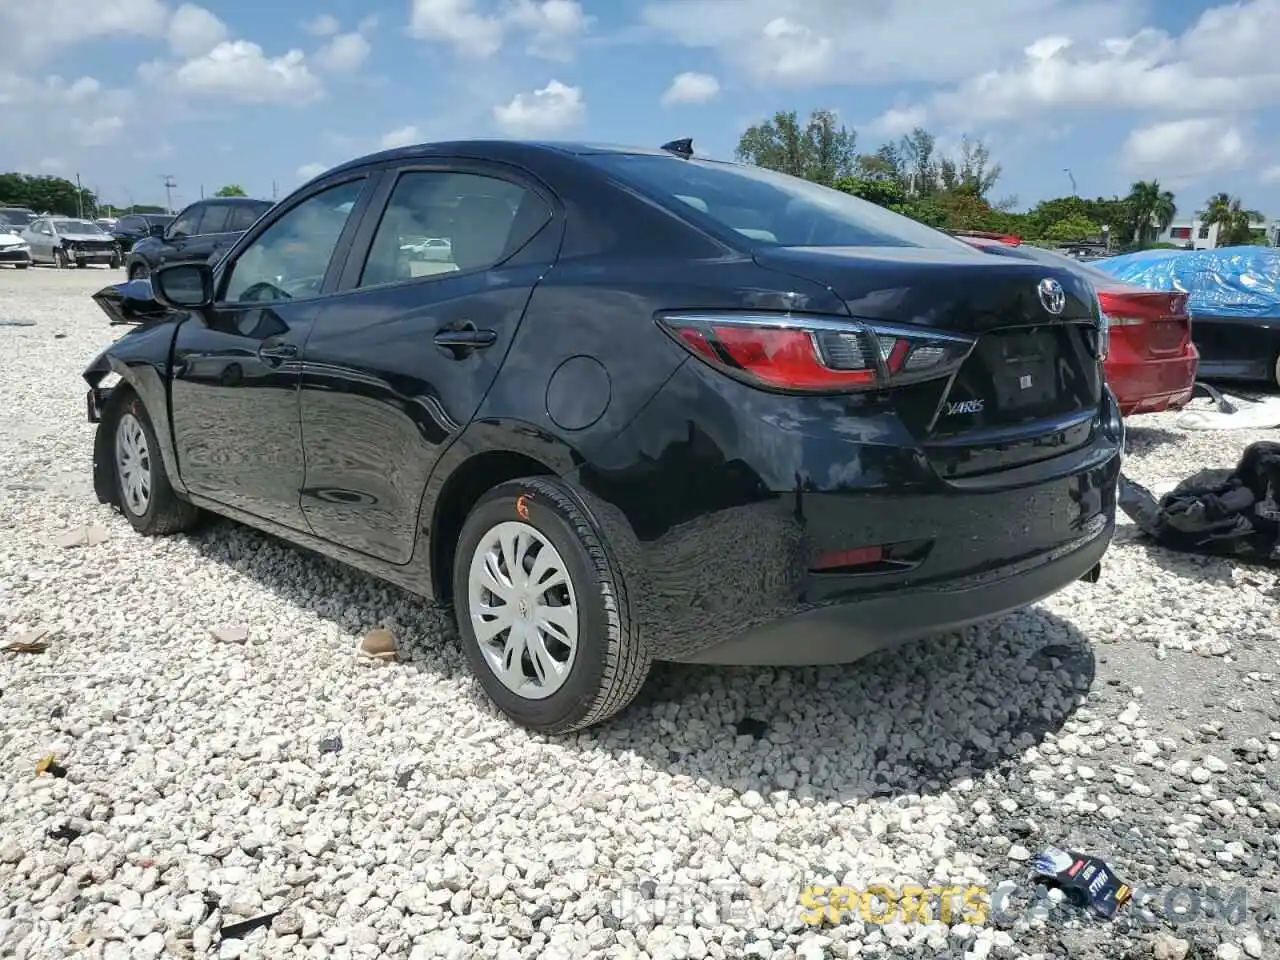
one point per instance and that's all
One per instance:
(1227, 282)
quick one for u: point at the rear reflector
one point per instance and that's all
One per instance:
(843, 559)
(807, 353)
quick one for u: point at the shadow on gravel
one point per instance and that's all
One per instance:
(1140, 439)
(919, 716)
(901, 722)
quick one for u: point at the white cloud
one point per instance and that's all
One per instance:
(1147, 70)
(478, 28)
(194, 30)
(899, 121)
(324, 25)
(343, 54)
(38, 114)
(800, 42)
(239, 70)
(1183, 151)
(33, 31)
(691, 88)
(309, 171)
(541, 112)
(401, 137)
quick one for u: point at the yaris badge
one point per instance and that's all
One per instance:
(1052, 297)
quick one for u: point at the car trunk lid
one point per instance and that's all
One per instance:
(1030, 388)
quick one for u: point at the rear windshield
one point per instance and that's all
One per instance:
(770, 208)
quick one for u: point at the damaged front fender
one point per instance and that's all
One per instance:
(141, 361)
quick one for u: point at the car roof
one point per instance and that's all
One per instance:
(233, 201)
(497, 149)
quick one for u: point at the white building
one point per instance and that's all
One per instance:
(1189, 232)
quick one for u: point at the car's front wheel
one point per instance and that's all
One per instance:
(143, 491)
(59, 258)
(543, 611)
(139, 271)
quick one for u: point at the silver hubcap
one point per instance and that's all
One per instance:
(523, 610)
(133, 464)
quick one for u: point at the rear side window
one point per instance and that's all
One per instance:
(242, 218)
(441, 222)
(769, 208)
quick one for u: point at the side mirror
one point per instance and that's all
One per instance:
(156, 230)
(183, 286)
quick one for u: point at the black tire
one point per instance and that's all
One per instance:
(164, 513)
(59, 259)
(80, 264)
(115, 263)
(22, 266)
(139, 271)
(612, 660)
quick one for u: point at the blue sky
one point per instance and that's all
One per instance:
(265, 94)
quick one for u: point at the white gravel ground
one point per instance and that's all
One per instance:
(1137, 719)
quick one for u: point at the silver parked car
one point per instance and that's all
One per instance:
(63, 241)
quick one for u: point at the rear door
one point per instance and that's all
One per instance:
(398, 364)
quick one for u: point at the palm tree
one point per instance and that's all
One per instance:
(1234, 223)
(1151, 209)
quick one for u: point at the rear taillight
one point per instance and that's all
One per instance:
(1164, 314)
(798, 352)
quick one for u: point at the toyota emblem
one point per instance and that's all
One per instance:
(1052, 297)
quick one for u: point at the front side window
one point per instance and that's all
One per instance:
(186, 224)
(288, 260)
(440, 222)
(769, 208)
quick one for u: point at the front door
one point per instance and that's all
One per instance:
(236, 366)
(401, 358)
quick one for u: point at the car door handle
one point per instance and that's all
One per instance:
(278, 351)
(465, 337)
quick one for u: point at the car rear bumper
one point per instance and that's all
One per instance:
(1149, 386)
(741, 521)
(845, 632)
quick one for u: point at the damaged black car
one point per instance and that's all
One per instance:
(647, 407)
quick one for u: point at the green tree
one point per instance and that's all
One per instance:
(1072, 228)
(46, 194)
(1235, 224)
(822, 150)
(919, 165)
(1151, 210)
(882, 191)
(231, 190)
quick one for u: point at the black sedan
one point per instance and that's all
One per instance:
(650, 408)
(134, 227)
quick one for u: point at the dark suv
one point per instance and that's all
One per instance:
(200, 232)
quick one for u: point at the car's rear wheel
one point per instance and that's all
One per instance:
(143, 491)
(543, 611)
(22, 266)
(80, 264)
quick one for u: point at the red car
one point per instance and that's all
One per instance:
(1151, 364)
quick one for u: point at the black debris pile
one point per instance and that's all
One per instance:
(1233, 513)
